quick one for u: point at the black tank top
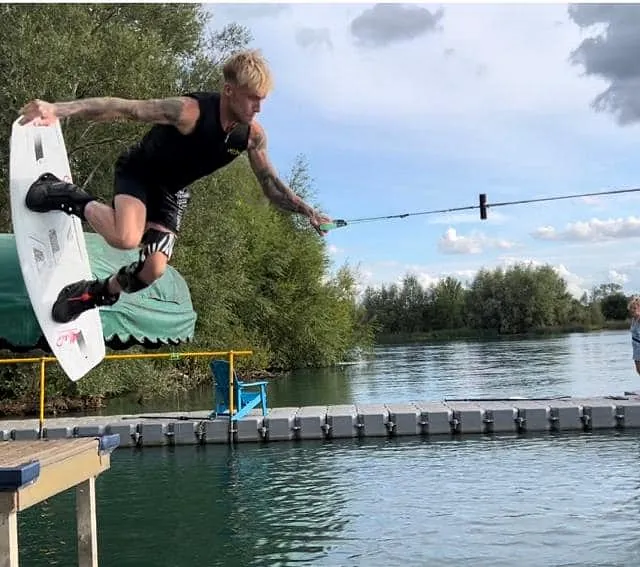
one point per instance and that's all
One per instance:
(172, 161)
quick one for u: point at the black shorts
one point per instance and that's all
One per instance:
(163, 207)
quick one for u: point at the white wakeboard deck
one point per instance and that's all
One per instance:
(51, 248)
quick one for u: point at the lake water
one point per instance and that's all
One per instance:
(580, 364)
(551, 500)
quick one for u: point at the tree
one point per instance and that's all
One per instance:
(448, 304)
(603, 290)
(518, 299)
(410, 304)
(614, 306)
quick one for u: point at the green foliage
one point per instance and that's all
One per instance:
(66, 51)
(614, 306)
(448, 304)
(257, 276)
(520, 299)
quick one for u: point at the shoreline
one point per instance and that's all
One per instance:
(385, 339)
(66, 405)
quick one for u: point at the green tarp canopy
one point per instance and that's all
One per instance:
(160, 315)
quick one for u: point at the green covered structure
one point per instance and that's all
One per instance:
(160, 315)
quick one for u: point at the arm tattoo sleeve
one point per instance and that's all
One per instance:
(163, 111)
(275, 190)
(280, 195)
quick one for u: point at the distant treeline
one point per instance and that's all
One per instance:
(519, 299)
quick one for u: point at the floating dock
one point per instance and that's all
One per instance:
(453, 418)
(32, 471)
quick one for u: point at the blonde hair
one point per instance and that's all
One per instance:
(249, 69)
(633, 303)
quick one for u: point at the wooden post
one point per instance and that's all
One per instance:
(86, 523)
(8, 530)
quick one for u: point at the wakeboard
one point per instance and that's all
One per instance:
(51, 248)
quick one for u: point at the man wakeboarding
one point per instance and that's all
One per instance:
(192, 136)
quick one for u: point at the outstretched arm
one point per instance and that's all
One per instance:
(272, 186)
(181, 112)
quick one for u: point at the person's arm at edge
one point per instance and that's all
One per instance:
(273, 187)
(181, 112)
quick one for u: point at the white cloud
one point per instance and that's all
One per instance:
(355, 83)
(452, 243)
(523, 113)
(424, 278)
(308, 37)
(618, 277)
(376, 274)
(243, 12)
(575, 283)
(594, 230)
(465, 275)
(544, 233)
(333, 250)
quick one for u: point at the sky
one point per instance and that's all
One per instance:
(403, 108)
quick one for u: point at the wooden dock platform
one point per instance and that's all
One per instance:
(32, 471)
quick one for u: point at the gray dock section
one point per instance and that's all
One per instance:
(451, 418)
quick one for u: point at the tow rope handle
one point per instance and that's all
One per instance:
(338, 223)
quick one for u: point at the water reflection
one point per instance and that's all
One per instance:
(317, 386)
(293, 500)
(551, 500)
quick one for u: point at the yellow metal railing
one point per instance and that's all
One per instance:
(231, 354)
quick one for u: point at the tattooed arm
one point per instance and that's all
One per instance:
(181, 112)
(275, 189)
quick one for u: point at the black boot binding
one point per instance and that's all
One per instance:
(78, 297)
(48, 193)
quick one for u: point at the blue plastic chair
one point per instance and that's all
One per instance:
(244, 400)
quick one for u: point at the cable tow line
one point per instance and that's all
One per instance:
(482, 206)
